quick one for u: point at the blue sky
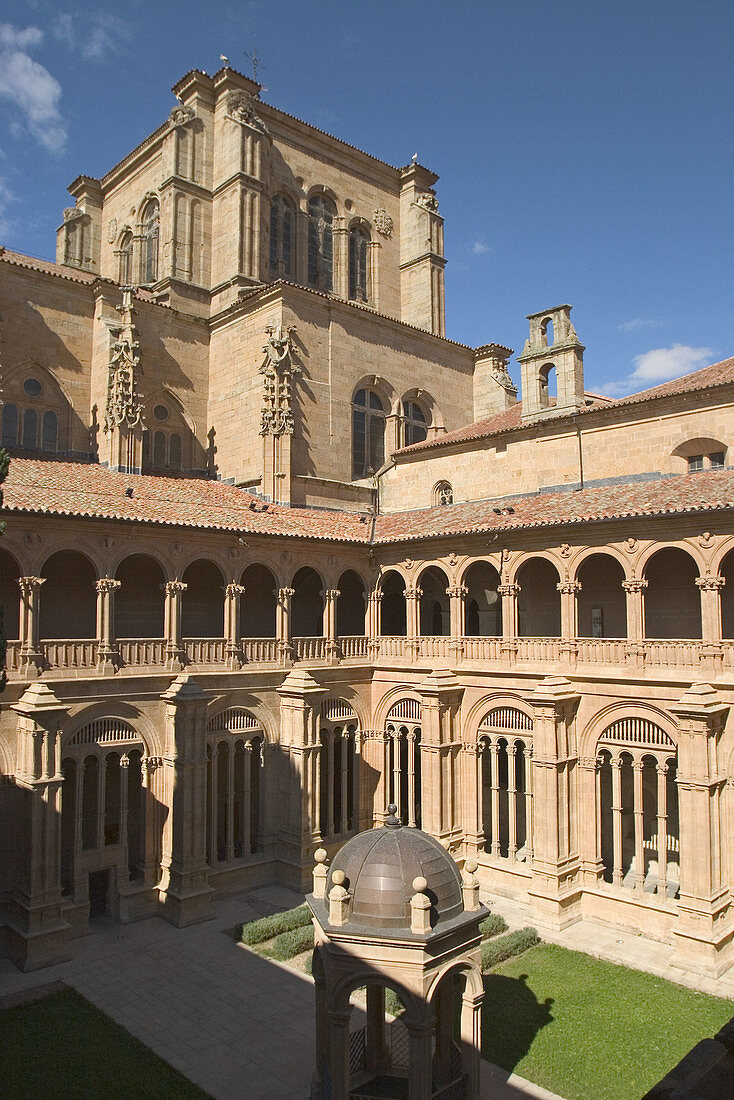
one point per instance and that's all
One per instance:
(586, 149)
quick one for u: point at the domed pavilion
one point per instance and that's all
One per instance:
(393, 911)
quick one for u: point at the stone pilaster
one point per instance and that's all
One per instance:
(283, 623)
(175, 654)
(108, 658)
(36, 930)
(704, 931)
(712, 654)
(331, 595)
(555, 887)
(185, 892)
(233, 594)
(31, 657)
(569, 591)
(300, 698)
(634, 590)
(441, 696)
(412, 616)
(457, 599)
(509, 594)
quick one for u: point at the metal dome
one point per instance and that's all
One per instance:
(380, 866)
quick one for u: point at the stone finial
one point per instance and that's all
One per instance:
(320, 873)
(420, 908)
(470, 887)
(339, 899)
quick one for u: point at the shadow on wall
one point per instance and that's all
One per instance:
(511, 1018)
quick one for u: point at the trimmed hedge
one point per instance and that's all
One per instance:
(257, 931)
(514, 943)
(288, 944)
(492, 926)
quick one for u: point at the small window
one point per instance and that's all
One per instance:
(160, 412)
(443, 494)
(717, 460)
(49, 432)
(321, 214)
(32, 387)
(30, 429)
(415, 427)
(10, 426)
(695, 462)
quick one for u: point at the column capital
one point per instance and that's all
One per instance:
(508, 589)
(174, 588)
(710, 584)
(233, 591)
(568, 588)
(456, 591)
(107, 584)
(413, 593)
(331, 593)
(286, 593)
(635, 584)
(29, 584)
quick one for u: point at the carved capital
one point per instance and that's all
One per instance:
(234, 591)
(107, 584)
(331, 593)
(710, 584)
(286, 594)
(28, 585)
(508, 589)
(457, 591)
(637, 584)
(568, 588)
(175, 588)
(413, 593)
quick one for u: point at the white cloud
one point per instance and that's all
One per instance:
(660, 364)
(640, 322)
(92, 37)
(479, 247)
(30, 86)
(656, 366)
(6, 199)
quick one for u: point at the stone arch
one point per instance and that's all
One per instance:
(178, 422)
(604, 718)
(10, 572)
(52, 398)
(144, 727)
(307, 603)
(351, 607)
(482, 603)
(384, 389)
(601, 601)
(259, 601)
(202, 604)
(539, 601)
(237, 701)
(389, 699)
(393, 615)
(68, 600)
(415, 1011)
(139, 602)
(672, 598)
(434, 608)
(468, 968)
(476, 713)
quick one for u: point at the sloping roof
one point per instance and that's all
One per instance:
(700, 492)
(77, 489)
(718, 374)
(44, 486)
(62, 271)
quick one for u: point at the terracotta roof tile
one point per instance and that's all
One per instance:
(62, 271)
(77, 489)
(700, 492)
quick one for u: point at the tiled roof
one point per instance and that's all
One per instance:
(44, 486)
(718, 374)
(62, 271)
(76, 489)
(700, 492)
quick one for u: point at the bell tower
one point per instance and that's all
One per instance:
(552, 346)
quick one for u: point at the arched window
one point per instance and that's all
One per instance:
(282, 238)
(151, 220)
(443, 493)
(159, 450)
(30, 429)
(415, 424)
(174, 451)
(49, 432)
(359, 240)
(368, 433)
(321, 213)
(10, 425)
(125, 259)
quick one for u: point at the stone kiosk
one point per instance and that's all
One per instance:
(392, 911)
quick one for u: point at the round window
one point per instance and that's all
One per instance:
(160, 412)
(32, 387)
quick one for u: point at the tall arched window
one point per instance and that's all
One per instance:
(49, 432)
(368, 433)
(125, 259)
(10, 426)
(321, 213)
(282, 238)
(30, 429)
(359, 240)
(151, 220)
(415, 424)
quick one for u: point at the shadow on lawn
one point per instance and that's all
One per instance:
(511, 1018)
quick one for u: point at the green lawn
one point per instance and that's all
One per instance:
(582, 1027)
(62, 1048)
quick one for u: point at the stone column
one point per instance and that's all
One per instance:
(341, 257)
(509, 594)
(283, 624)
(331, 595)
(471, 1043)
(36, 931)
(185, 892)
(703, 932)
(108, 658)
(712, 653)
(635, 650)
(233, 593)
(339, 1046)
(412, 617)
(298, 810)
(175, 653)
(471, 801)
(457, 597)
(31, 657)
(376, 1049)
(555, 886)
(441, 696)
(662, 825)
(373, 624)
(420, 1072)
(569, 591)
(123, 870)
(592, 867)
(374, 249)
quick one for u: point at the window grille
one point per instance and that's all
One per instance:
(334, 709)
(508, 719)
(637, 731)
(406, 708)
(233, 720)
(106, 731)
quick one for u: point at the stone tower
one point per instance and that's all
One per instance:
(552, 345)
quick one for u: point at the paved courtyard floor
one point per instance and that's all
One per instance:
(240, 1026)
